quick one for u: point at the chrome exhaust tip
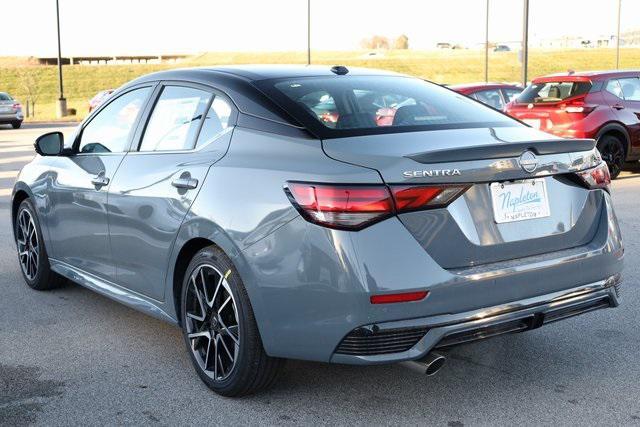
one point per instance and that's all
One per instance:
(428, 366)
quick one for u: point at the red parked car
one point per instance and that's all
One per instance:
(604, 105)
(99, 98)
(495, 95)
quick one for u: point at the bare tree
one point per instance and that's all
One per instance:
(31, 86)
(402, 42)
(375, 42)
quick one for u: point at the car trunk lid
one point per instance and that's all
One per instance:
(466, 232)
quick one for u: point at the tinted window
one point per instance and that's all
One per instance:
(613, 87)
(490, 97)
(175, 119)
(511, 94)
(110, 129)
(345, 105)
(630, 88)
(4, 97)
(553, 91)
(216, 121)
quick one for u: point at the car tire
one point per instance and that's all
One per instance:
(32, 254)
(218, 322)
(16, 125)
(613, 153)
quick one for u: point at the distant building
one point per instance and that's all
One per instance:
(111, 60)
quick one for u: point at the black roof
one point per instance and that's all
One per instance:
(261, 72)
(238, 82)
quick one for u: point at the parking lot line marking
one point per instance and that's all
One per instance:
(5, 192)
(8, 174)
(24, 148)
(16, 159)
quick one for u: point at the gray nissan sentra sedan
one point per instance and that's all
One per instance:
(328, 214)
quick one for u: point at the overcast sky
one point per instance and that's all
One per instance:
(110, 27)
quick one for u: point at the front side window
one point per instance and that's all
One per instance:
(216, 121)
(109, 131)
(557, 91)
(175, 119)
(490, 97)
(351, 105)
(630, 88)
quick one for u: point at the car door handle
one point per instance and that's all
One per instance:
(185, 183)
(100, 181)
(618, 107)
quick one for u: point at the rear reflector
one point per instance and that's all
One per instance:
(403, 297)
(353, 207)
(597, 177)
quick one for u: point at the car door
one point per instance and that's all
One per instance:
(78, 198)
(630, 87)
(188, 129)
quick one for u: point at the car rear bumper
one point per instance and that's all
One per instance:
(452, 329)
(12, 117)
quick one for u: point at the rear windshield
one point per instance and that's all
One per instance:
(345, 106)
(553, 91)
(4, 97)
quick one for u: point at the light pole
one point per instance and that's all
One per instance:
(486, 46)
(525, 42)
(308, 32)
(618, 36)
(61, 109)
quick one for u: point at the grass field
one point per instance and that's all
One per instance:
(81, 82)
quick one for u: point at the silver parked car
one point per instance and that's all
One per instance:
(328, 214)
(10, 111)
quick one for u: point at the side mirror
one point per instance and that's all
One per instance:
(50, 144)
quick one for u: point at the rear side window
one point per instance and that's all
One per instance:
(490, 97)
(553, 91)
(216, 121)
(511, 94)
(176, 119)
(358, 105)
(630, 88)
(613, 87)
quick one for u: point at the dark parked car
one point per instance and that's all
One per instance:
(224, 201)
(495, 95)
(604, 105)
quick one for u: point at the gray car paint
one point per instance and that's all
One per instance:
(308, 285)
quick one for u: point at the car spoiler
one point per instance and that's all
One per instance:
(503, 150)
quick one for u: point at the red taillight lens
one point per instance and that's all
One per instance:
(341, 206)
(403, 297)
(353, 207)
(577, 106)
(17, 106)
(412, 198)
(597, 177)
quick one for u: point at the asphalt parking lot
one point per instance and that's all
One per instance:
(70, 357)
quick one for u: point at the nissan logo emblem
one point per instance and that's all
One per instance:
(528, 161)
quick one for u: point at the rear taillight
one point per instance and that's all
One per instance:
(412, 198)
(353, 207)
(578, 106)
(340, 206)
(17, 106)
(597, 177)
